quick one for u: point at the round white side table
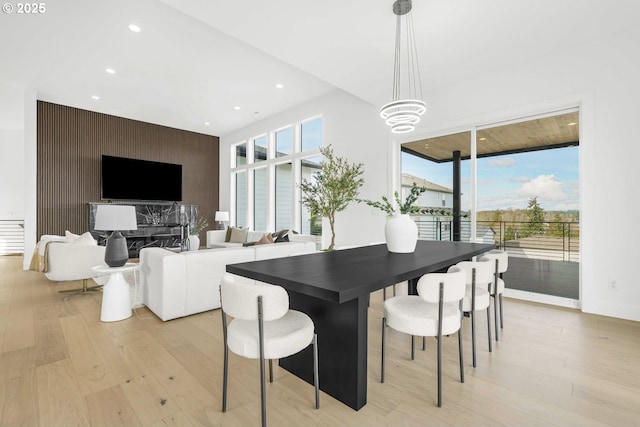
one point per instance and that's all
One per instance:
(116, 296)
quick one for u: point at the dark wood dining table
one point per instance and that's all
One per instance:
(333, 289)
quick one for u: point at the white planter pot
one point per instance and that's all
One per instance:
(193, 243)
(401, 234)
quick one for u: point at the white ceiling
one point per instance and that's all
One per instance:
(196, 59)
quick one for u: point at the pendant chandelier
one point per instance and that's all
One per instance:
(406, 107)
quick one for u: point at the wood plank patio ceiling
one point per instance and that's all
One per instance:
(532, 135)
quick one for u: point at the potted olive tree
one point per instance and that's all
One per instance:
(332, 188)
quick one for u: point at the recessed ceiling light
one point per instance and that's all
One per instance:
(571, 124)
(236, 108)
(96, 97)
(279, 85)
(110, 70)
(206, 123)
(483, 139)
(134, 28)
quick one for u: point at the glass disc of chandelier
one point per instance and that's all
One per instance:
(402, 115)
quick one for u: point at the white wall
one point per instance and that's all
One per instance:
(11, 174)
(355, 131)
(11, 153)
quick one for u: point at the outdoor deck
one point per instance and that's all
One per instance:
(543, 276)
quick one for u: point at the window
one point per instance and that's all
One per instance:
(260, 149)
(260, 201)
(267, 171)
(311, 134)
(284, 142)
(241, 154)
(241, 199)
(309, 224)
(284, 196)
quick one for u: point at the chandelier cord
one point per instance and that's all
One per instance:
(396, 60)
(414, 63)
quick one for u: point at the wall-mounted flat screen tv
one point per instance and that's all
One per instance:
(134, 179)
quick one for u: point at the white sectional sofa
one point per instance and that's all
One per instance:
(180, 284)
(216, 238)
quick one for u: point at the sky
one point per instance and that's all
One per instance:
(510, 181)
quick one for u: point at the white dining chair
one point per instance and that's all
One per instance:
(500, 260)
(264, 328)
(478, 278)
(434, 312)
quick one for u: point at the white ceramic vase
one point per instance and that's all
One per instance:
(401, 234)
(193, 243)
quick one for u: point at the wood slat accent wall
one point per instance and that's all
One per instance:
(71, 142)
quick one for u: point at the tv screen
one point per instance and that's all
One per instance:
(134, 179)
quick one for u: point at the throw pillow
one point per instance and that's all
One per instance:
(69, 237)
(265, 239)
(238, 235)
(228, 235)
(281, 236)
(86, 239)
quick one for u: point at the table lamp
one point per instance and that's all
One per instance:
(221, 217)
(116, 218)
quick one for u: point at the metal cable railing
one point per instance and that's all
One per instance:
(558, 241)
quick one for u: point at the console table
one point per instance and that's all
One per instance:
(333, 289)
(159, 225)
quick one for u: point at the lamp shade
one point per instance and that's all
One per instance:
(222, 216)
(115, 217)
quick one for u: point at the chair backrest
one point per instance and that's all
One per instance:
(484, 271)
(501, 256)
(239, 296)
(454, 285)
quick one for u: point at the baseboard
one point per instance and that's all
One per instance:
(542, 298)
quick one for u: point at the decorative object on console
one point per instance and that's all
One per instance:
(221, 217)
(332, 188)
(193, 241)
(405, 109)
(116, 218)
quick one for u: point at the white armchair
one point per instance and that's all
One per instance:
(63, 260)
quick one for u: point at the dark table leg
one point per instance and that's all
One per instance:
(342, 348)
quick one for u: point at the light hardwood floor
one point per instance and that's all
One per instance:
(61, 366)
